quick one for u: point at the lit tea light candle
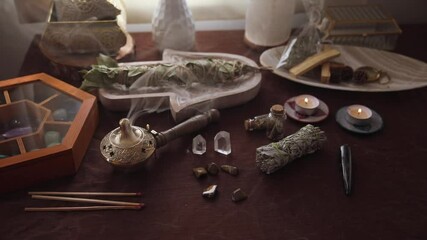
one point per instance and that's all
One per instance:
(306, 104)
(359, 115)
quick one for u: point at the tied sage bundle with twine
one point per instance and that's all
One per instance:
(208, 71)
(272, 157)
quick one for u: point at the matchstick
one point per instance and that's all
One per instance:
(87, 200)
(88, 193)
(75, 209)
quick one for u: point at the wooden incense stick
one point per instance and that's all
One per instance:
(75, 209)
(313, 61)
(88, 193)
(86, 200)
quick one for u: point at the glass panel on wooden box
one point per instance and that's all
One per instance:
(46, 126)
(34, 116)
(36, 91)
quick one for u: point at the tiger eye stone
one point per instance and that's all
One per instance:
(200, 172)
(238, 195)
(232, 170)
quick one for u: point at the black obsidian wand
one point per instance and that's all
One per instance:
(346, 168)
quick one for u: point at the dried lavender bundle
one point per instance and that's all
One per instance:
(208, 71)
(272, 157)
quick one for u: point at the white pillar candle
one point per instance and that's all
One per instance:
(269, 22)
(306, 104)
(358, 114)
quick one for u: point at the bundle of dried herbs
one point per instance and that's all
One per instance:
(209, 71)
(272, 157)
(306, 42)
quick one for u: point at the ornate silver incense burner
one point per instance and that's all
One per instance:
(130, 146)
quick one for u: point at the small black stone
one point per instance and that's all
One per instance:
(213, 169)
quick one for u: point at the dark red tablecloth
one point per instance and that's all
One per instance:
(304, 200)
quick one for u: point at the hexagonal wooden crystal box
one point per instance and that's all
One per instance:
(45, 129)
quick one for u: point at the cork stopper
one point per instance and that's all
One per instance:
(248, 124)
(277, 109)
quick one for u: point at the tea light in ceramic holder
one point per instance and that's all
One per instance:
(359, 115)
(306, 104)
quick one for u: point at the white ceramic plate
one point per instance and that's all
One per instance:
(375, 125)
(320, 114)
(405, 73)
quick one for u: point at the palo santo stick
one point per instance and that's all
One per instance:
(313, 61)
(86, 200)
(325, 74)
(87, 193)
(75, 209)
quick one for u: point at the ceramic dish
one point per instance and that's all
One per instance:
(405, 73)
(321, 113)
(375, 125)
(185, 103)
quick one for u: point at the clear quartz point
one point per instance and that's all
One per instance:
(199, 145)
(222, 143)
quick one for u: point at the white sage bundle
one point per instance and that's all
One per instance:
(272, 157)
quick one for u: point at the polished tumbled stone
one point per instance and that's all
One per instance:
(213, 169)
(60, 114)
(199, 172)
(232, 170)
(52, 138)
(16, 132)
(238, 195)
(210, 192)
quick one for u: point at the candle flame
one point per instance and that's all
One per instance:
(306, 100)
(359, 111)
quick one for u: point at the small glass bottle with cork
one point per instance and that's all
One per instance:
(272, 122)
(276, 123)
